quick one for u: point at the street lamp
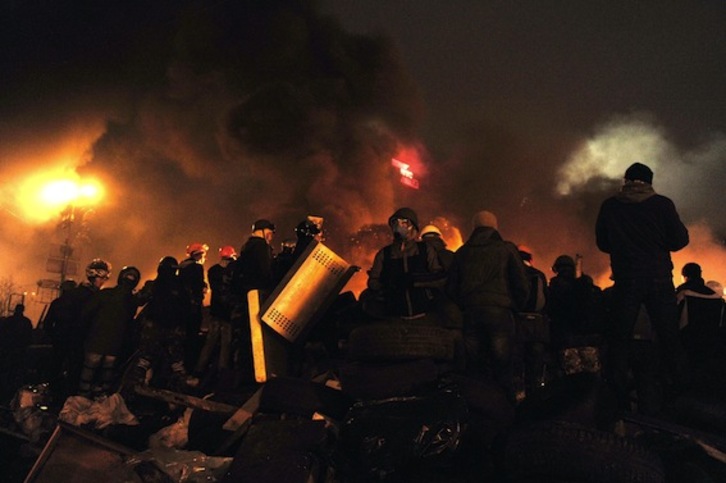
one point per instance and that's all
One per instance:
(78, 198)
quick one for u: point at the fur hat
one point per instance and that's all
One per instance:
(484, 218)
(639, 172)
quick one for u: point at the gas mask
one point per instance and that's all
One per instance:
(401, 227)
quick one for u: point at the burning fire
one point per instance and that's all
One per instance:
(42, 195)
(406, 174)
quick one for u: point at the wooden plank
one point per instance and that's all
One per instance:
(184, 400)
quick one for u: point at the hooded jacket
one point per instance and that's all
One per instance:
(488, 271)
(639, 228)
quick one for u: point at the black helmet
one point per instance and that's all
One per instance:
(98, 269)
(563, 262)
(306, 229)
(129, 276)
(263, 224)
(167, 265)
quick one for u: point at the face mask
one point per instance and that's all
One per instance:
(400, 232)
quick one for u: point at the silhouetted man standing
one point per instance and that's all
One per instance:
(639, 228)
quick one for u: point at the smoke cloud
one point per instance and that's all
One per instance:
(201, 117)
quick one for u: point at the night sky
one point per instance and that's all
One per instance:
(200, 117)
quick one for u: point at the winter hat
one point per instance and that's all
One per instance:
(639, 172)
(405, 213)
(484, 218)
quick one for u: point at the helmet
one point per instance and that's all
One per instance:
(563, 261)
(167, 265)
(430, 230)
(227, 252)
(130, 276)
(307, 229)
(197, 248)
(98, 269)
(263, 224)
(67, 285)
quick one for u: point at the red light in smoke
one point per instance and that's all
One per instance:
(407, 177)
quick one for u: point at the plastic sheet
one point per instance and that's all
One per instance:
(379, 438)
(185, 466)
(102, 412)
(173, 436)
(30, 412)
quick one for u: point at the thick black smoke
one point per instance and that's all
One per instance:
(216, 114)
(201, 117)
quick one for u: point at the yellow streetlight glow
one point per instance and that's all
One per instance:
(41, 196)
(63, 192)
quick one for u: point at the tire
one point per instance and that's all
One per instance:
(555, 451)
(397, 342)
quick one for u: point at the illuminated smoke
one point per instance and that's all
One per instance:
(691, 177)
(613, 148)
(199, 121)
(213, 117)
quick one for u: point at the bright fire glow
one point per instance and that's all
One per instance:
(43, 195)
(63, 192)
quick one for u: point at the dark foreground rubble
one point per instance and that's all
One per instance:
(377, 415)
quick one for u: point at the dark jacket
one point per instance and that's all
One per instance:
(253, 269)
(16, 333)
(109, 315)
(406, 274)
(63, 321)
(538, 291)
(446, 256)
(575, 307)
(168, 302)
(639, 229)
(488, 271)
(191, 274)
(218, 305)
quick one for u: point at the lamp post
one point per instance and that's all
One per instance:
(78, 199)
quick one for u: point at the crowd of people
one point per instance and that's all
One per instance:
(516, 326)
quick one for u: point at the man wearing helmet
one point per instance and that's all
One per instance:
(163, 328)
(253, 269)
(306, 231)
(109, 314)
(191, 274)
(68, 331)
(405, 273)
(220, 328)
